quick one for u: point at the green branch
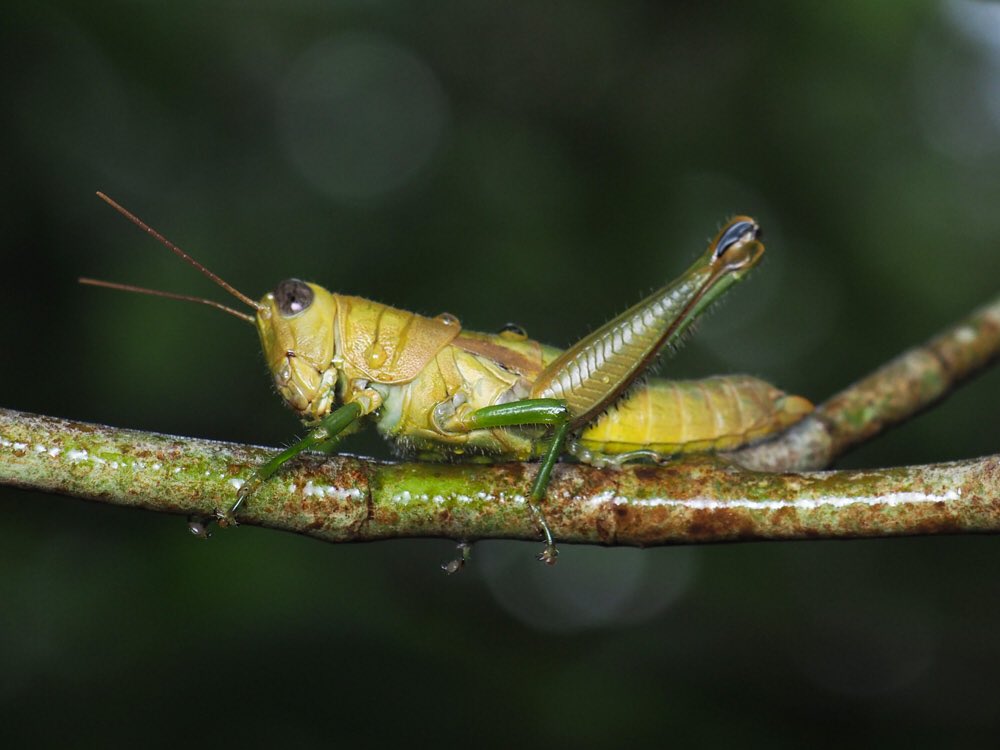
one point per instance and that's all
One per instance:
(702, 499)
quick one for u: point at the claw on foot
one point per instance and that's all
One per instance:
(548, 555)
(464, 550)
(200, 526)
(225, 519)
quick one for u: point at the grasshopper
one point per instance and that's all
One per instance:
(438, 392)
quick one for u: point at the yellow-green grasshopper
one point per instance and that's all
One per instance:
(438, 392)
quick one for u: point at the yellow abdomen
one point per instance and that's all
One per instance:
(684, 416)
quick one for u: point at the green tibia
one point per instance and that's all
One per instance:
(538, 411)
(327, 432)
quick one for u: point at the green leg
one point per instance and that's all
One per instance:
(322, 436)
(545, 411)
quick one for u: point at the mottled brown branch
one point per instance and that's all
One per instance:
(895, 392)
(345, 498)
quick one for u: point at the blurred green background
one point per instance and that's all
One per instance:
(542, 163)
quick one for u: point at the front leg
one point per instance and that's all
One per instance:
(328, 431)
(360, 400)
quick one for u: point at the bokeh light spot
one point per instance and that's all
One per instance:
(360, 116)
(590, 587)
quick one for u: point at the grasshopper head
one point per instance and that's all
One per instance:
(295, 323)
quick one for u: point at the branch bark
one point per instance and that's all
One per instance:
(903, 387)
(738, 496)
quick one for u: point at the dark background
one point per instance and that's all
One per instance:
(543, 163)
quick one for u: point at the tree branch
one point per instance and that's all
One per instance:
(700, 499)
(903, 387)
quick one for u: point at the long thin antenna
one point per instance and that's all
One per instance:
(177, 251)
(168, 295)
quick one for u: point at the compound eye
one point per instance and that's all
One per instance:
(736, 233)
(292, 297)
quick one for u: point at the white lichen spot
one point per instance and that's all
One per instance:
(291, 487)
(336, 493)
(235, 482)
(965, 335)
(23, 447)
(76, 455)
(113, 464)
(53, 452)
(157, 467)
(802, 503)
(603, 497)
(176, 470)
(4, 442)
(39, 448)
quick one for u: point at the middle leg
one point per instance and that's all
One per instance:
(539, 411)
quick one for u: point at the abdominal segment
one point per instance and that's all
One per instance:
(687, 416)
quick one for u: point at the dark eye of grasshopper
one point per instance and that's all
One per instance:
(738, 233)
(293, 296)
